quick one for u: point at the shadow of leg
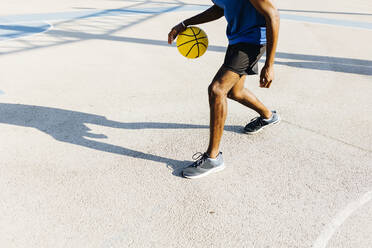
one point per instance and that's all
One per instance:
(175, 165)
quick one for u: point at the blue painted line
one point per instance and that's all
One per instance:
(20, 30)
(320, 20)
(2, 92)
(22, 25)
(80, 14)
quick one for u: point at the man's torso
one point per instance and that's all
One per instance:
(245, 23)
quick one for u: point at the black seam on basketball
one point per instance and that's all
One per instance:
(186, 42)
(197, 43)
(201, 38)
(201, 43)
(192, 40)
(191, 49)
(190, 35)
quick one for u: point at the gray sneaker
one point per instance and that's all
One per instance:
(203, 166)
(258, 123)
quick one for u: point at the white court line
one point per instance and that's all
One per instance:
(339, 219)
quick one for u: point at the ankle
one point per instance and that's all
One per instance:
(212, 154)
(267, 115)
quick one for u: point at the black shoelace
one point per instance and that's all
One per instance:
(199, 158)
(258, 121)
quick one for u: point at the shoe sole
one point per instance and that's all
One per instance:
(217, 169)
(259, 130)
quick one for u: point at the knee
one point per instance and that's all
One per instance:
(216, 91)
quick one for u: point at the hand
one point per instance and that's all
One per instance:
(174, 32)
(267, 76)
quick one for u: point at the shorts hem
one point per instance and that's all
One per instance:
(234, 70)
(241, 73)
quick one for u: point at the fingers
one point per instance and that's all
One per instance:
(174, 32)
(267, 84)
(264, 82)
(262, 79)
(266, 78)
(171, 36)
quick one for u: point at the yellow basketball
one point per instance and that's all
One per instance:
(192, 43)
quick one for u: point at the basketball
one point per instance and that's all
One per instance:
(192, 43)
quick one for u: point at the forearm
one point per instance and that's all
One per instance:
(272, 34)
(211, 14)
(271, 14)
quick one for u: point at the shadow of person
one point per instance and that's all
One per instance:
(70, 127)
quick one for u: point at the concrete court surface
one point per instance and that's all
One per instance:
(98, 114)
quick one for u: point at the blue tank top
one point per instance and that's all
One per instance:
(244, 22)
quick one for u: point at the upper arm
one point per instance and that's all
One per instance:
(218, 10)
(266, 8)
